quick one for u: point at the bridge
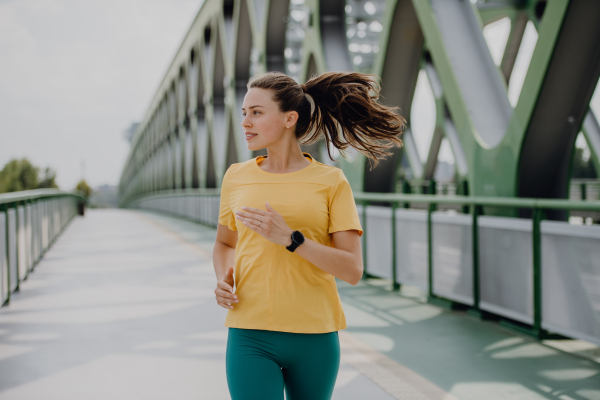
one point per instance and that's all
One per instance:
(483, 287)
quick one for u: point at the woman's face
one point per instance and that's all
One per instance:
(264, 124)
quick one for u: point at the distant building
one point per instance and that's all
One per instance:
(105, 196)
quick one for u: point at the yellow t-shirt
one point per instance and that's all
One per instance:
(278, 290)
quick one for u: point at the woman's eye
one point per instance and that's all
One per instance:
(256, 112)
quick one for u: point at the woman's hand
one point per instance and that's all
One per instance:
(269, 224)
(224, 291)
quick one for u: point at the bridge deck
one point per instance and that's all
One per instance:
(122, 307)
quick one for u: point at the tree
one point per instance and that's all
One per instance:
(18, 175)
(48, 179)
(83, 188)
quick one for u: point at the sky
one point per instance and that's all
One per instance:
(75, 74)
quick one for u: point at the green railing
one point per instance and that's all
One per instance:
(30, 222)
(171, 193)
(538, 208)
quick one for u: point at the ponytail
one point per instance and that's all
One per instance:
(345, 110)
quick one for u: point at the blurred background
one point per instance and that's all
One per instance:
(74, 78)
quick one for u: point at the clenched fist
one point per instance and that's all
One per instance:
(224, 291)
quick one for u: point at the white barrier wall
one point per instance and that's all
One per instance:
(452, 245)
(29, 236)
(412, 264)
(200, 208)
(22, 242)
(506, 267)
(11, 252)
(379, 241)
(571, 280)
(411, 245)
(45, 222)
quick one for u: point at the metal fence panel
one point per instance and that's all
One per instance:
(12, 249)
(379, 241)
(506, 267)
(452, 243)
(412, 264)
(29, 236)
(571, 280)
(45, 221)
(22, 242)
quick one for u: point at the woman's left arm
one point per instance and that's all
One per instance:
(344, 261)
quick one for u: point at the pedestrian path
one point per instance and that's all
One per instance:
(122, 307)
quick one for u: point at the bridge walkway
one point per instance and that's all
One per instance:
(122, 307)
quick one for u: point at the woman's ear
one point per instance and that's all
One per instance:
(291, 118)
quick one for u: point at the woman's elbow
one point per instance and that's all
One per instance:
(357, 276)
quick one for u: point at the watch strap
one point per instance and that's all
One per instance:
(295, 244)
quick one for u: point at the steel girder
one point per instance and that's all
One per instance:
(191, 132)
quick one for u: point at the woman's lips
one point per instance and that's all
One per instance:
(250, 136)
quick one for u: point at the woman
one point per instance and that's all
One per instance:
(288, 226)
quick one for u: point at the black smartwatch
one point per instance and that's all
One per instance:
(297, 240)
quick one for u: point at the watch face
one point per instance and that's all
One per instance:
(298, 237)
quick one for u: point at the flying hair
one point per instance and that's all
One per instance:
(346, 111)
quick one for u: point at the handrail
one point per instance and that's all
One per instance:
(14, 197)
(173, 192)
(559, 204)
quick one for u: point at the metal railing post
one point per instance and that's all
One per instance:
(476, 211)
(537, 217)
(406, 189)
(16, 206)
(7, 249)
(364, 238)
(430, 210)
(395, 284)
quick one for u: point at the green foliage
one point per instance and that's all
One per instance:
(582, 168)
(18, 175)
(47, 180)
(83, 188)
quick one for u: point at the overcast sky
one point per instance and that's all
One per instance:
(75, 74)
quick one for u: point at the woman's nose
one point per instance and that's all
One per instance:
(245, 122)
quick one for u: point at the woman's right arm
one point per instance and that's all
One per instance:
(224, 262)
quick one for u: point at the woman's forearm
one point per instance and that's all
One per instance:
(223, 259)
(339, 263)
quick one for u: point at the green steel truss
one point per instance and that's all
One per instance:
(191, 132)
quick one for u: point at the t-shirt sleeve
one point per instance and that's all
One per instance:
(225, 215)
(343, 215)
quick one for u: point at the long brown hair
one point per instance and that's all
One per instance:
(346, 111)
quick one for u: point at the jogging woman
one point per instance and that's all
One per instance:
(288, 226)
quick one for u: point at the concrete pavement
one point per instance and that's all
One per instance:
(122, 307)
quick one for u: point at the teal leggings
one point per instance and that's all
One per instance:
(262, 364)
